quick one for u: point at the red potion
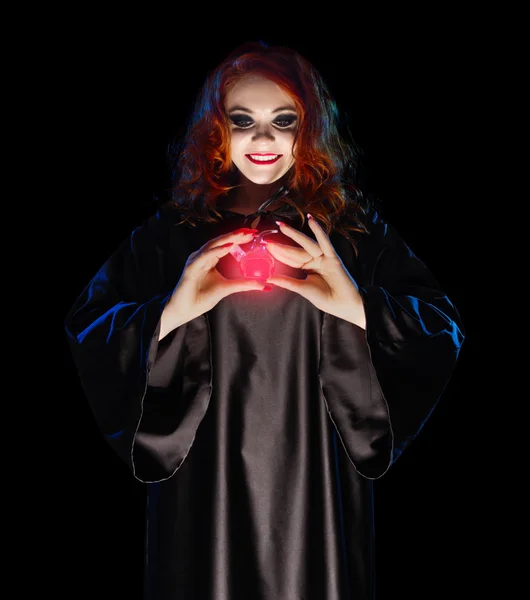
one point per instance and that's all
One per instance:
(257, 263)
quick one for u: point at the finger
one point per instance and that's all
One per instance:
(306, 242)
(252, 286)
(239, 236)
(243, 285)
(288, 283)
(321, 246)
(289, 255)
(244, 230)
(322, 239)
(208, 258)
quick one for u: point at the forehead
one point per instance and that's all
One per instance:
(257, 93)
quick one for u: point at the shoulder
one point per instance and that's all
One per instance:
(168, 214)
(380, 242)
(362, 214)
(379, 231)
(368, 226)
(377, 227)
(163, 221)
(159, 232)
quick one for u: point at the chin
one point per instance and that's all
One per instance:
(263, 178)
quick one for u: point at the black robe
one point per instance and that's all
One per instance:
(260, 426)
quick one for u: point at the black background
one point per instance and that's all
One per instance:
(411, 93)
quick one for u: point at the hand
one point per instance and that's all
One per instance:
(201, 286)
(328, 285)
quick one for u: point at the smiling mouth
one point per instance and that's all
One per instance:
(265, 158)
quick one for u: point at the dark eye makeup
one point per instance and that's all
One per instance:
(245, 122)
(285, 120)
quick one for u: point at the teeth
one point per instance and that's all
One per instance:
(264, 158)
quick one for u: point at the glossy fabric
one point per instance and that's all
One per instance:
(260, 425)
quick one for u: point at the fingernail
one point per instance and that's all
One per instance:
(279, 223)
(267, 288)
(309, 216)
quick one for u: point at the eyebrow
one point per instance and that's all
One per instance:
(247, 110)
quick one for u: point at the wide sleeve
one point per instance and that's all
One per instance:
(381, 384)
(148, 397)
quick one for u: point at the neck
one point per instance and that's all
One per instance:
(248, 196)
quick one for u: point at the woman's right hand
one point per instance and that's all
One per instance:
(201, 286)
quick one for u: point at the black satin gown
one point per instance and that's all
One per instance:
(260, 426)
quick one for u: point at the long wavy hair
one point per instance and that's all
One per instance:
(322, 179)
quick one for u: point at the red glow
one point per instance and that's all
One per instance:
(256, 265)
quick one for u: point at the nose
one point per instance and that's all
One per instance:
(263, 132)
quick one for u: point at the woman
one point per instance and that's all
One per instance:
(258, 421)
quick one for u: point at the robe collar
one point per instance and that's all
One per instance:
(283, 212)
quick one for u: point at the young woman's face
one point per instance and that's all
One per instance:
(263, 125)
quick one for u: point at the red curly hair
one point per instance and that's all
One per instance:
(319, 180)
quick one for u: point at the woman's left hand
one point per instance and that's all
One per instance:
(328, 285)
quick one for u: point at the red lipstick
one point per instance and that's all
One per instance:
(265, 160)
